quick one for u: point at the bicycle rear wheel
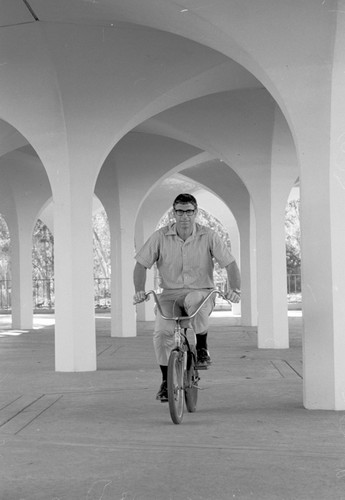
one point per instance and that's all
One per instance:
(191, 383)
(175, 386)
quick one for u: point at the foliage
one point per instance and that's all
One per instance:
(204, 218)
(42, 252)
(43, 249)
(4, 250)
(293, 237)
(101, 245)
(43, 244)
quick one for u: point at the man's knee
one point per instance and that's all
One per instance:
(162, 335)
(193, 298)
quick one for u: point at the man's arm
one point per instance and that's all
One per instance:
(234, 278)
(139, 278)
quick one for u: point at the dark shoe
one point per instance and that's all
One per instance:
(162, 394)
(203, 359)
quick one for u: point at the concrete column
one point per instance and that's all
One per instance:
(271, 269)
(21, 266)
(149, 306)
(145, 310)
(253, 289)
(323, 242)
(248, 267)
(337, 207)
(147, 220)
(319, 288)
(146, 224)
(122, 309)
(270, 194)
(121, 211)
(75, 338)
(139, 240)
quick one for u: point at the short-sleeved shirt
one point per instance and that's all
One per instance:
(185, 264)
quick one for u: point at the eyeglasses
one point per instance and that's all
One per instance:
(180, 213)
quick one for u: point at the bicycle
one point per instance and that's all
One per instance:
(183, 371)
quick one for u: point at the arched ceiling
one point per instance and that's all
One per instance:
(14, 12)
(183, 87)
(177, 68)
(10, 138)
(255, 21)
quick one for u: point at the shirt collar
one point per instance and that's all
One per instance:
(198, 229)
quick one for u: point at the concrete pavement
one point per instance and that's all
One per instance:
(102, 435)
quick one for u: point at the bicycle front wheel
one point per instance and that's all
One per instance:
(191, 383)
(175, 386)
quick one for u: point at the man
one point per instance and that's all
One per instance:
(184, 253)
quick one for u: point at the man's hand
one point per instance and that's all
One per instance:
(140, 297)
(234, 296)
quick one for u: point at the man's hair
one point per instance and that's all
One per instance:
(185, 198)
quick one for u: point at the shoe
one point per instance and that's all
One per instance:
(162, 394)
(203, 359)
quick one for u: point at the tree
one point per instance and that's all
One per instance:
(4, 250)
(43, 261)
(101, 245)
(43, 249)
(293, 237)
(101, 259)
(204, 218)
(43, 265)
(42, 252)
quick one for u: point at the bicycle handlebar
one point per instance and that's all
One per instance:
(179, 318)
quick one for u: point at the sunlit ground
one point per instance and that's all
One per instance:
(40, 321)
(225, 314)
(44, 320)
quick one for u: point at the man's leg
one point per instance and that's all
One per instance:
(200, 324)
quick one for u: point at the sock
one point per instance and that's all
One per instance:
(201, 341)
(164, 370)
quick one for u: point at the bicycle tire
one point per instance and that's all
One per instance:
(191, 383)
(176, 386)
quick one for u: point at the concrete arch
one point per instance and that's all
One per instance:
(158, 201)
(182, 182)
(47, 64)
(215, 174)
(137, 66)
(217, 64)
(235, 126)
(220, 26)
(37, 113)
(192, 161)
(189, 169)
(169, 126)
(224, 183)
(24, 189)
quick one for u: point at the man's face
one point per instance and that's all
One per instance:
(185, 214)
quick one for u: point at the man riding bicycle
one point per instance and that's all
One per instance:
(184, 253)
